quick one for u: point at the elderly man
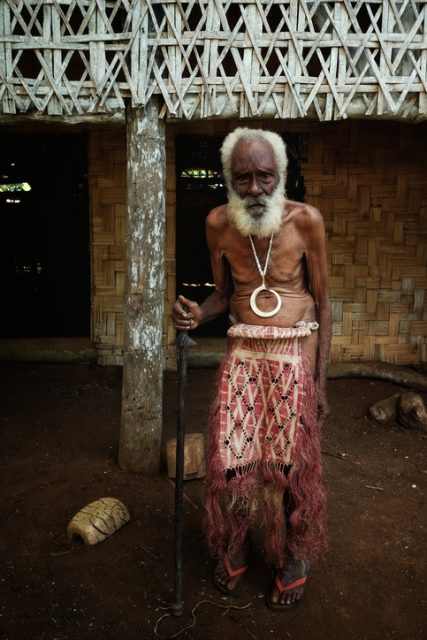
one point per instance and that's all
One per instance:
(269, 265)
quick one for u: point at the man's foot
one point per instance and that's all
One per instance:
(229, 573)
(289, 585)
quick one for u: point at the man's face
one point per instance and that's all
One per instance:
(254, 174)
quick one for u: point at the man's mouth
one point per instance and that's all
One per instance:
(257, 213)
(256, 208)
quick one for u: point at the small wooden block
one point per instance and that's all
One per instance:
(194, 456)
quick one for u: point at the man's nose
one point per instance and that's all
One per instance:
(254, 187)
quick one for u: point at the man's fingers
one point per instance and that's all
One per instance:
(188, 307)
(186, 303)
(185, 314)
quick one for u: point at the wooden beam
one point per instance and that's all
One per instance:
(141, 422)
(116, 118)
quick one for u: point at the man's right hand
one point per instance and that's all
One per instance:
(186, 314)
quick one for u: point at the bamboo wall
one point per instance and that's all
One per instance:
(107, 187)
(369, 179)
(370, 182)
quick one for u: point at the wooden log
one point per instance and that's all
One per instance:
(412, 411)
(141, 420)
(380, 370)
(385, 411)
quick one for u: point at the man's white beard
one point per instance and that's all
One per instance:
(263, 226)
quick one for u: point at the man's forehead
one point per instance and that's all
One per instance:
(253, 150)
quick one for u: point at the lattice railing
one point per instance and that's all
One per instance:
(282, 58)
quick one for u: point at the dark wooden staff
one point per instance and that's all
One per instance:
(183, 341)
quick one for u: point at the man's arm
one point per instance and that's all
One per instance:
(317, 271)
(188, 314)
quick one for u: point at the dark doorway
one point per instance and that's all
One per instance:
(199, 188)
(44, 236)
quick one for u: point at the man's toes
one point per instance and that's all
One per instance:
(224, 580)
(275, 596)
(232, 583)
(221, 576)
(291, 597)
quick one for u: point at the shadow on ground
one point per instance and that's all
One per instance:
(59, 436)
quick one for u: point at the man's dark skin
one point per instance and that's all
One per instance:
(297, 271)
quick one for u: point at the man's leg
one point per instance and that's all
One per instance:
(228, 573)
(230, 570)
(289, 583)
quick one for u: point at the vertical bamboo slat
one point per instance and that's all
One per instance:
(107, 182)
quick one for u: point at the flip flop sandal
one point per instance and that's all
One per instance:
(232, 573)
(282, 588)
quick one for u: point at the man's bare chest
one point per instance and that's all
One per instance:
(285, 264)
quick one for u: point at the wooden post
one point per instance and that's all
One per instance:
(141, 423)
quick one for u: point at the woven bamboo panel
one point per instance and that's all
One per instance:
(370, 182)
(107, 181)
(169, 332)
(215, 58)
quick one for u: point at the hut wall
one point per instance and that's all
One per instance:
(107, 183)
(369, 179)
(169, 349)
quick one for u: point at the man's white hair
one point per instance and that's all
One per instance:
(252, 135)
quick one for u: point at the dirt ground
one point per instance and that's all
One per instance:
(59, 436)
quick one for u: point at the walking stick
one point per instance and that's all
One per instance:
(183, 341)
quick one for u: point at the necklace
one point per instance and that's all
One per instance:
(263, 287)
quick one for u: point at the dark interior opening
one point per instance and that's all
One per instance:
(44, 236)
(199, 188)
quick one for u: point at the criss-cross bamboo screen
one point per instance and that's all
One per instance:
(282, 58)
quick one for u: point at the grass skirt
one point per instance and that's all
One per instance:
(264, 451)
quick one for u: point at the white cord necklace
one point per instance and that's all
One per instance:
(262, 287)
